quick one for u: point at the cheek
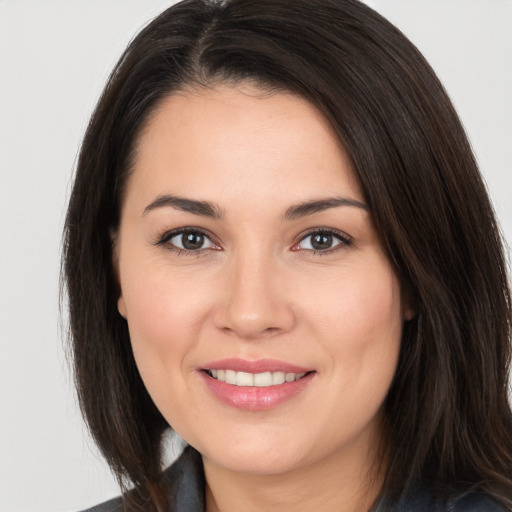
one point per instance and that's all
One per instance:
(359, 322)
(359, 328)
(374, 309)
(164, 320)
(353, 299)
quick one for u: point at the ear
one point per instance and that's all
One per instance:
(121, 306)
(409, 313)
(409, 304)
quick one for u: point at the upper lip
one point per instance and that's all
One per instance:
(259, 366)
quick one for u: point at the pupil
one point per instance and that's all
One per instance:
(321, 241)
(192, 241)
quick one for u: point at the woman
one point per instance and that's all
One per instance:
(279, 245)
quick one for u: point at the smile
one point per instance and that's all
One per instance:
(255, 385)
(259, 380)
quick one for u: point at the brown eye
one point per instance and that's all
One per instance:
(322, 241)
(190, 241)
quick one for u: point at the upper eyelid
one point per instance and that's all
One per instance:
(167, 235)
(330, 231)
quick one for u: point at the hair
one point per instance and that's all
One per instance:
(448, 416)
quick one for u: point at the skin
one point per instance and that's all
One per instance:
(258, 290)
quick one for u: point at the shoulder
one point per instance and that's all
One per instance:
(184, 481)
(422, 500)
(475, 502)
(114, 505)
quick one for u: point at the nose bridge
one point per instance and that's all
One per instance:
(255, 304)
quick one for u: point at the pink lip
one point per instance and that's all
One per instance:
(260, 366)
(254, 398)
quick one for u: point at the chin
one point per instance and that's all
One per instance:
(252, 457)
(251, 464)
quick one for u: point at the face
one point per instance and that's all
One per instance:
(264, 316)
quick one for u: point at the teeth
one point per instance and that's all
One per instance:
(230, 377)
(263, 380)
(259, 380)
(278, 378)
(244, 379)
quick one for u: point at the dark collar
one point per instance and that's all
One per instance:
(186, 484)
(185, 481)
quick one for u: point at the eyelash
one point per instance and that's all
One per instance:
(344, 240)
(163, 241)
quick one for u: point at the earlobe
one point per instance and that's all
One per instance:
(409, 314)
(121, 307)
(409, 304)
(409, 310)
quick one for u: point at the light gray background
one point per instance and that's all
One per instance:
(54, 59)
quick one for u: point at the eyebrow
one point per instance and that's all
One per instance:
(203, 208)
(320, 205)
(208, 209)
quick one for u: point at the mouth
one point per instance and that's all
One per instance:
(255, 385)
(258, 380)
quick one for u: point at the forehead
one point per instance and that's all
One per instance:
(243, 141)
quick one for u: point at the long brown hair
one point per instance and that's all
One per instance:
(448, 416)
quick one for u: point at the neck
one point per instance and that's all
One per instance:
(349, 480)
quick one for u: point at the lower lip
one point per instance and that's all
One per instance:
(253, 398)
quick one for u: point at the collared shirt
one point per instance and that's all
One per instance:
(186, 484)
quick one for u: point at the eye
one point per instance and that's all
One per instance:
(321, 241)
(191, 240)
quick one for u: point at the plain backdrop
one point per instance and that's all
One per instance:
(54, 59)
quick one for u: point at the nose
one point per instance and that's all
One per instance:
(254, 304)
